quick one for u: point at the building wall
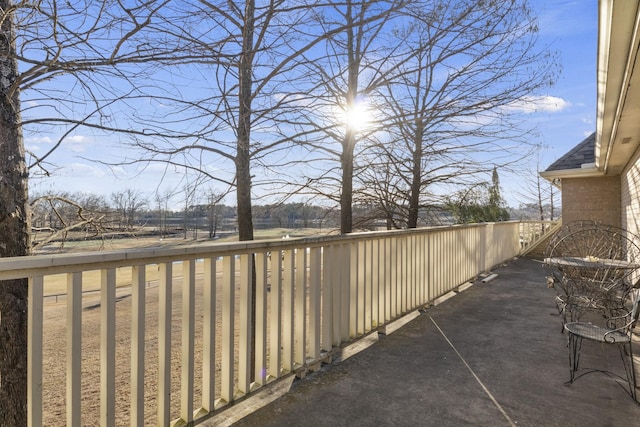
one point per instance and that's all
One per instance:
(630, 195)
(596, 199)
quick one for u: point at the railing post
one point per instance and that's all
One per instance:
(228, 314)
(374, 262)
(275, 339)
(137, 344)
(287, 310)
(74, 349)
(209, 334)
(300, 325)
(260, 372)
(345, 267)
(188, 327)
(244, 330)
(315, 281)
(327, 323)
(34, 353)
(164, 342)
(108, 347)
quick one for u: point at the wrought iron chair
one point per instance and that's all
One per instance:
(617, 330)
(593, 268)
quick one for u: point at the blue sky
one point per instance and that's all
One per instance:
(570, 27)
(565, 116)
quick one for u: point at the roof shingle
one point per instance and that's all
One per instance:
(580, 154)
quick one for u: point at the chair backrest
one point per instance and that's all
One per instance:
(593, 260)
(635, 310)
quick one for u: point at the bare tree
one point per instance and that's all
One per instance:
(349, 73)
(214, 211)
(62, 213)
(454, 109)
(162, 199)
(537, 193)
(128, 203)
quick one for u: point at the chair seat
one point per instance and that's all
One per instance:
(596, 333)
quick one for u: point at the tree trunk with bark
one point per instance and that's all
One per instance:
(416, 179)
(243, 156)
(346, 197)
(14, 236)
(349, 142)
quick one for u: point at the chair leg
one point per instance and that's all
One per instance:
(626, 353)
(562, 311)
(575, 342)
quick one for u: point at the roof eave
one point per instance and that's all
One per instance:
(585, 172)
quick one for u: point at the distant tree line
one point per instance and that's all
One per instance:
(130, 211)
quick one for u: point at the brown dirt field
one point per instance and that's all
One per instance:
(54, 346)
(55, 356)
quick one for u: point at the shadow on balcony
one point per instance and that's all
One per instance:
(492, 355)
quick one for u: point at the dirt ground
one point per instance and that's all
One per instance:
(55, 349)
(55, 355)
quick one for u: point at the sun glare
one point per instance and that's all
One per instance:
(358, 117)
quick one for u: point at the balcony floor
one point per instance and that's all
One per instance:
(492, 355)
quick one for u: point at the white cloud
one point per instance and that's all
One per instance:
(38, 140)
(83, 170)
(76, 143)
(76, 138)
(537, 104)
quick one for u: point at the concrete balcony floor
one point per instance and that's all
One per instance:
(493, 355)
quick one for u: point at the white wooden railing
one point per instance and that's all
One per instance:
(164, 336)
(533, 232)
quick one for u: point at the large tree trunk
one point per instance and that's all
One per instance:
(243, 168)
(348, 145)
(346, 196)
(416, 180)
(243, 157)
(14, 237)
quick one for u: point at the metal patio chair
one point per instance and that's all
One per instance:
(617, 331)
(593, 267)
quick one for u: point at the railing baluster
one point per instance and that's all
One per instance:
(387, 279)
(34, 353)
(228, 310)
(375, 283)
(300, 325)
(352, 285)
(315, 283)
(275, 339)
(287, 310)
(165, 306)
(327, 321)
(393, 278)
(244, 332)
(108, 347)
(336, 294)
(74, 349)
(364, 295)
(137, 344)
(209, 334)
(260, 372)
(344, 266)
(188, 327)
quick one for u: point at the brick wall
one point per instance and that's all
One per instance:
(596, 199)
(630, 195)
